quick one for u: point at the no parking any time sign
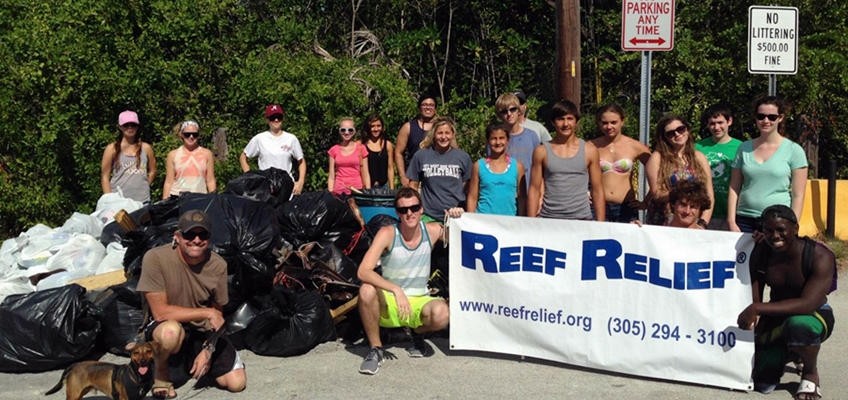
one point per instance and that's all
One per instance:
(647, 25)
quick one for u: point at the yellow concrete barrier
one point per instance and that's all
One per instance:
(814, 217)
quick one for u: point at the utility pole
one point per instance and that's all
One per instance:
(568, 50)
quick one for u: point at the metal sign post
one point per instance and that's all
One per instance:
(646, 26)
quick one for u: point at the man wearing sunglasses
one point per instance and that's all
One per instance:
(399, 297)
(535, 126)
(522, 141)
(185, 287)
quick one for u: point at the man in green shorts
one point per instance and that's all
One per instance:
(399, 298)
(796, 319)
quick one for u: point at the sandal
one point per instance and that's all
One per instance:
(166, 394)
(807, 390)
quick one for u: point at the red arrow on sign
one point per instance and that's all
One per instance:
(658, 41)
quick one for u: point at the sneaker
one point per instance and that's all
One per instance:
(418, 348)
(372, 362)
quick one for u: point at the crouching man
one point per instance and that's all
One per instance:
(796, 320)
(400, 298)
(185, 288)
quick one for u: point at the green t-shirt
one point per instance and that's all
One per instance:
(768, 183)
(720, 157)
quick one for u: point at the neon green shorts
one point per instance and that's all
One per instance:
(390, 319)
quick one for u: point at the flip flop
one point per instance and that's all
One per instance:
(807, 388)
(167, 386)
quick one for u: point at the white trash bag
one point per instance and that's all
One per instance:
(81, 223)
(39, 248)
(114, 259)
(111, 203)
(81, 255)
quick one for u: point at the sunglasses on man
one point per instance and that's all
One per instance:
(510, 110)
(190, 235)
(403, 210)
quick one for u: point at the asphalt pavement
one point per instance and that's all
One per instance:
(331, 371)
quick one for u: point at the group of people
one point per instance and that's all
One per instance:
(717, 183)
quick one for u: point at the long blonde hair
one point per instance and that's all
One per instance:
(431, 134)
(668, 157)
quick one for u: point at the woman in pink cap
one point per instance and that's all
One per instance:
(128, 163)
(191, 167)
(276, 148)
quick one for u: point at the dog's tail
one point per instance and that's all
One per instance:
(61, 382)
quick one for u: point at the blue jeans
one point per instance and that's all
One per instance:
(618, 213)
(748, 224)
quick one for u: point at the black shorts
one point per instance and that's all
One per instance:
(225, 359)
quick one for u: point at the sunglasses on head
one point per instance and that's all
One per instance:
(345, 130)
(130, 125)
(404, 210)
(191, 134)
(276, 117)
(679, 130)
(190, 235)
(506, 111)
(771, 117)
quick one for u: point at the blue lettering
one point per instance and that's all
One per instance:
(485, 253)
(510, 260)
(722, 271)
(698, 275)
(635, 267)
(655, 278)
(680, 276)
(553, 260)
(531, 260)
(608, 260)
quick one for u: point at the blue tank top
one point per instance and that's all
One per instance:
(497, 190)
(416, 135)
(408, 268)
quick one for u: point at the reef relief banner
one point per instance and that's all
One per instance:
(649, 301)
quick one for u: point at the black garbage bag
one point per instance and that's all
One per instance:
(289, 323)
(237, 324)
(122, 318)
(159, 213)
(377, 197)
(273, 186)
(373, 226)
(47, 329)
(141, 240)
(245, 233)
(333, 257)
(317, 217)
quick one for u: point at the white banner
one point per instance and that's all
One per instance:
(651, 301)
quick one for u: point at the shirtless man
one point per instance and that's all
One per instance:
(796, 319)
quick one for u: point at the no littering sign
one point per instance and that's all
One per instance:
(647, 25)
(772, 40)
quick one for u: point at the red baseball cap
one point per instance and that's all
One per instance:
(273, 109)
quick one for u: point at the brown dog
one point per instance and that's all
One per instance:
(119, 382)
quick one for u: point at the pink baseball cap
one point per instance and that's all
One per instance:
(127, 117)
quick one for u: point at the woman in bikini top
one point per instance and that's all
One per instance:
(618, 153)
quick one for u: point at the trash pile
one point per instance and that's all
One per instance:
(290, 262)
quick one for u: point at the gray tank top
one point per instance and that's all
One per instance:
(566, 185)
(130, 178)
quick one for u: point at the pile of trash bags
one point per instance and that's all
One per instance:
(290, 260)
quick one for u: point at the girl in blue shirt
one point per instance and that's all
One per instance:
(497, 182)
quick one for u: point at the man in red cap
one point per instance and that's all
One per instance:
(185, 288)
(276, 148)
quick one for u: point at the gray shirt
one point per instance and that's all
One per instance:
(566, 186)
(441, 177)
(535, 126)
(131, 177)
